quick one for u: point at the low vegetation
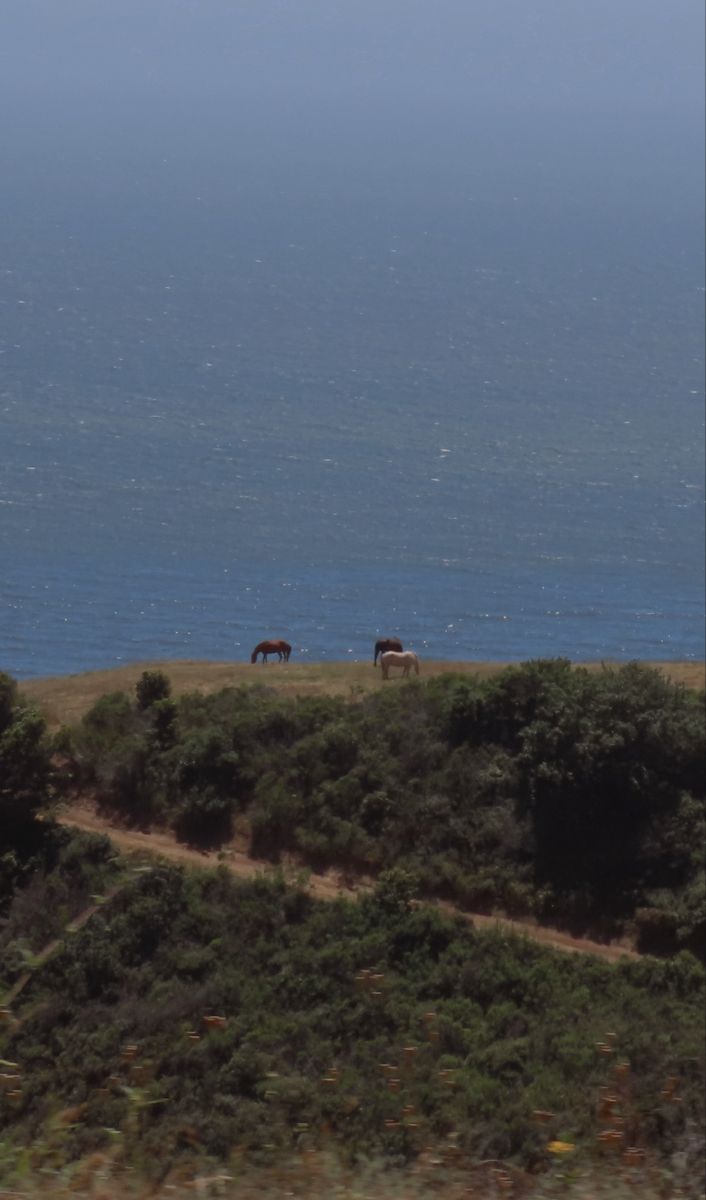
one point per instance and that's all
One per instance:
(197, 1019)
(159, 1025)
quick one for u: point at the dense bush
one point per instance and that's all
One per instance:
(499, 1027)
(25, 785)
(24, 761)
(151, 687)
(547, 789)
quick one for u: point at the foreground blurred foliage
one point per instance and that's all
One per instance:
(571, 795)
(194, 1019)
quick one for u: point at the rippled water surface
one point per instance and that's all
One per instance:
(356, 397)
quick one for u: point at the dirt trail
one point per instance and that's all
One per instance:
(325, 887)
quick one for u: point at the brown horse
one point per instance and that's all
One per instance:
(386, 644)
(280, 648)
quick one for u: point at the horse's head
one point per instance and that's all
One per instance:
(253, 656)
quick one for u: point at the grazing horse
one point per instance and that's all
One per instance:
(280, 648)
(406, 660)
(386, 644)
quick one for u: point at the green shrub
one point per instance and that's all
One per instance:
(204, 816)
(164, 714)
(25, 772)
(151, 687)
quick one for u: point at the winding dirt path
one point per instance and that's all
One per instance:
(325, 887)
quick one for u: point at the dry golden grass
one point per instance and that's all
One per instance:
(64, 699)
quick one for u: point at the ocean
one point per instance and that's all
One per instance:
(333, 388)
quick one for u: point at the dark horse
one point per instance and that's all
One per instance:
(280, 648)
(386, 644)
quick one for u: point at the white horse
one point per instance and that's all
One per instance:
(393, 658)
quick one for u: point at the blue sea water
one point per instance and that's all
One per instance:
(345, 392)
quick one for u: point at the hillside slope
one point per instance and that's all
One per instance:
(541, 790)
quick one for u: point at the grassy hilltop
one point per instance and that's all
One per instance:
(65, 698)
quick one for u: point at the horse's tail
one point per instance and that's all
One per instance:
(286, 650)
(416, 665)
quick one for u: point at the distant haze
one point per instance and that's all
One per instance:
(640, 56)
